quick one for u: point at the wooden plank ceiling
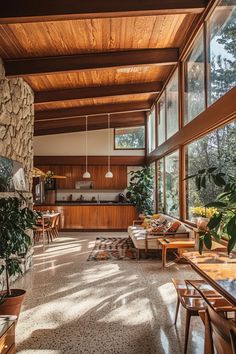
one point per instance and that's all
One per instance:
(94, 58)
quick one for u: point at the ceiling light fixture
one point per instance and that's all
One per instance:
(109, 174)
(86, 173)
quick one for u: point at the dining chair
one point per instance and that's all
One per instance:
(220, 332)
(192, 302)
(57, 222)
(39, 228)
(53, 226)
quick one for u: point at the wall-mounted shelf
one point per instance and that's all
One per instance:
(90, 191)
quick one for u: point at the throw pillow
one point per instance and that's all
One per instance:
(173, 227)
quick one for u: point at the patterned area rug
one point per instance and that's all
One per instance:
(122, 248)
(113, 248)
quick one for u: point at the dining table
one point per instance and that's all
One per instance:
(218, 269)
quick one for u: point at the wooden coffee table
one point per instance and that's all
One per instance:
(180, 243)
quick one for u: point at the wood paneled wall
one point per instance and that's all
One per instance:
(95, 217)
(75, 173)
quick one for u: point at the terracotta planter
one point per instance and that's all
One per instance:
(12, 305)
(202, 223)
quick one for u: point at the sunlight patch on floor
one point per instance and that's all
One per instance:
(135, 312)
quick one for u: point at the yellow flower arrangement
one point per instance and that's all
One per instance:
(202, 211)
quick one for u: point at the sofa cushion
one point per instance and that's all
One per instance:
(174, 226)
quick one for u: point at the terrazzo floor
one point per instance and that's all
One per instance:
(106, 307)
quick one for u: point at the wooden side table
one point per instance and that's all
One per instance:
(180, 244)
(7, 334)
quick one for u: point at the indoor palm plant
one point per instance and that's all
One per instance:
(140, 190)
(15, 220)
(223, 222)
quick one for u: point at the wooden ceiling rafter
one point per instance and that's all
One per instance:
(20, 11)
(68, 73)
(96, 110)
(119, 120)
(96, 92)
(79, 128)
(91, 61)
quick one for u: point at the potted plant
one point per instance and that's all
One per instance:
(223, 221)
(15, 219)
(202, 215)
(140, 190)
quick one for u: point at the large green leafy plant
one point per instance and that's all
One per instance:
(140, 190)
(15, 219)
(223, 222)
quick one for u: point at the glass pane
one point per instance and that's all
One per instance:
(172, 106)
(160, 185)
(130, 138)
(172, 183)
(217, 149)
(152, 131)
(153, 167)
(161, 120)
(194, 81)
(222, 52)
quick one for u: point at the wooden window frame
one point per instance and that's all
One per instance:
(154, 108)
(214, 116)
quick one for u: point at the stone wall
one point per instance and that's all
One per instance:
(17, 122)
(16, 131)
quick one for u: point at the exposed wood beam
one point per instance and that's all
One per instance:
(91, 110)
(92, 120)
(220, 112)
(80, 128)
(93, 160)
(96, 92)
(18, 11)
(94, 123)
(93, 61)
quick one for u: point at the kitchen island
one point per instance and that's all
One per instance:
(87, 216)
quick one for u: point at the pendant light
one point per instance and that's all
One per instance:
(109, 174)
(86, 173)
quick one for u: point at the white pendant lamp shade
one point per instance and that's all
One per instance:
(86, 173)
(109, 174)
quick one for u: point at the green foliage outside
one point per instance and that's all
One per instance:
(215, 149)
(141, 189)
(133, 139)
(223, 222)
(223, 65)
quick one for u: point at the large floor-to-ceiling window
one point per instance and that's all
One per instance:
(152, 130)
(194, 81)
(216, 149)
(221, 49)
(206, 73)
(172, 109)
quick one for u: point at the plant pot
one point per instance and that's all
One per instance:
(202, 223)
(12, 305)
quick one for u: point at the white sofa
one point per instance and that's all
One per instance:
(145, 240)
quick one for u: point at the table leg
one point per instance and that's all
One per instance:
(43, 236)
(163, 256)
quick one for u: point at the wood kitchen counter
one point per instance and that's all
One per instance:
(93, 216)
